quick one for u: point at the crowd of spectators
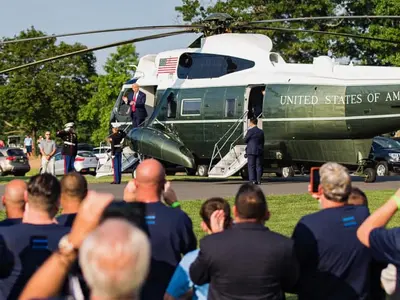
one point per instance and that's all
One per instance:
(341, 251)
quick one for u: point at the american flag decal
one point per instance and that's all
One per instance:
(167, 65)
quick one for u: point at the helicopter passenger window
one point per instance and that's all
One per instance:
(230, 108)
(191, 107)
(204, 65)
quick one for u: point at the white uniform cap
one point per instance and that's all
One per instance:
(70, 124)
(116, 125)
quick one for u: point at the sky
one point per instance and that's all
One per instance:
(55, 17)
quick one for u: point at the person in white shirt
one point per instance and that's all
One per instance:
(28, 145)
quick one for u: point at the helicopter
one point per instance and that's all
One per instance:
(202, 97)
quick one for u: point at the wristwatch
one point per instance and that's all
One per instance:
(65, 247)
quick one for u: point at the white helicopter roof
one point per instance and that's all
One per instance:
(161, 69)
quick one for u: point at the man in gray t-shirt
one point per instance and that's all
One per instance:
(48, 149)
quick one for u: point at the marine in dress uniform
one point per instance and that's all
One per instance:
(116, 152)
(70, 146)
(255, 151)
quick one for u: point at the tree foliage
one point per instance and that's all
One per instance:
(42, 97)
(106, 88)
(302, 47)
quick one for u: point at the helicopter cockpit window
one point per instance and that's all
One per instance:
(171, 106)
(191, 107)
(204, 65)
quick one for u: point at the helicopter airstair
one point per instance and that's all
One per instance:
(128, 160)
(235, 159)
(230, 164)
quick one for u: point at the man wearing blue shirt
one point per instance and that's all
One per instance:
(74, 189)
(25, 247)
(14, 202)
(216, 216)
(333, 263)
(170, 228)
(384, 243)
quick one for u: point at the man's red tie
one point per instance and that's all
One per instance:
(134, 103)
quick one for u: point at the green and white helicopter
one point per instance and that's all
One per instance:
(200, 98)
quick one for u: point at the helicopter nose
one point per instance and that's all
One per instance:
(160, 145)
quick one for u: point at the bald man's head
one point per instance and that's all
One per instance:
(14, 193)
(150, 174)
(150, 171)
(74, 186)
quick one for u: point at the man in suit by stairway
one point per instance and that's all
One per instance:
(255, 151)
(137, 101)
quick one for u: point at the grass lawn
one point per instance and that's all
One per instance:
(286, 210)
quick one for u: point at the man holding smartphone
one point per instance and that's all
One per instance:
(332, 260)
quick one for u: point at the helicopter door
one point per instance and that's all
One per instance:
(150, 92)
(254, 100)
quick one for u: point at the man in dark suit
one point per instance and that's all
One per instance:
(137, 101)
(255, 151)
(234, 269)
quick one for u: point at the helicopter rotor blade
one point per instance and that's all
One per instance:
(321, 18)
(100, 31)
(357, 36)
(135, 40)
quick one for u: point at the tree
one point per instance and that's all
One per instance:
(379, 53)
(43, 97)
(302, 47)
(96, 113)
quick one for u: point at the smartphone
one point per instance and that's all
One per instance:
(314, 179)
(134, 212)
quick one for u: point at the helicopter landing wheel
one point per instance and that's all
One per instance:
(370, 175)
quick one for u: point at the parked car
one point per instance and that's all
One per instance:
(81, 147)
(386, 153)
(13, 161)
(102, 153)
(85, 163)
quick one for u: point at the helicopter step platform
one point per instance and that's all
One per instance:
(128, 160)
(230, 164)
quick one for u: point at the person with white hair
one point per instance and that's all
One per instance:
(332, 260)
(115, 260)
(114, 256)
(70, 146)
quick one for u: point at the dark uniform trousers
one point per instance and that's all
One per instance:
(117, 166)
(69, 150)
(69, 161)
(116, 151)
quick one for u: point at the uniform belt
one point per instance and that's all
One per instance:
(69, 143)
(117, 146)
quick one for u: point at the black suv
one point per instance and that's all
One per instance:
(386, 153)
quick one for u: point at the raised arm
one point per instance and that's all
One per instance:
(378, 219)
